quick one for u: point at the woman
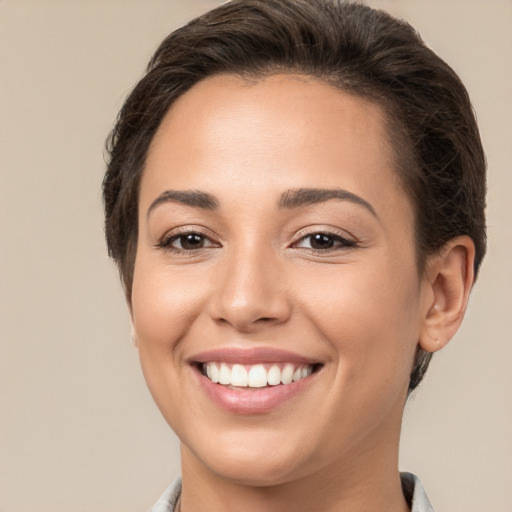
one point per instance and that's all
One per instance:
(294, 198)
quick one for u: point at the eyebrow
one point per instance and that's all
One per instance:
(295, 198)
(193, 198)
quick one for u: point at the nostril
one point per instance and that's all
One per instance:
(246, 306)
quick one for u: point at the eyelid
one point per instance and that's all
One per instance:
(327, 230)
(347, 240)
(164, 242)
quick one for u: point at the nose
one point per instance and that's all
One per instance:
(250, 291)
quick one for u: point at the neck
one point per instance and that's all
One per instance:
(371, 483)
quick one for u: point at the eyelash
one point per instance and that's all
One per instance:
(339, 243)
(167, 241)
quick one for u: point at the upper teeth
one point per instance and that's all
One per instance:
(257, 375)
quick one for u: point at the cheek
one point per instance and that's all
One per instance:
(163, 304)
(370, 315)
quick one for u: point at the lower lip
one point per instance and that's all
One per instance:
(254, 400)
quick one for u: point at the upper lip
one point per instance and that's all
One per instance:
(250, 356)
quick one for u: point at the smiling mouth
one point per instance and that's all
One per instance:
(256, 376)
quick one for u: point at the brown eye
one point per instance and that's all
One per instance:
(324, 242)
(321, 241)
(189, 242)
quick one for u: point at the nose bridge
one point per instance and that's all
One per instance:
(250, 289)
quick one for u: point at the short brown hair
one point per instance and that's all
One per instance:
(364, 51)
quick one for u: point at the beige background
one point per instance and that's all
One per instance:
(78, 430)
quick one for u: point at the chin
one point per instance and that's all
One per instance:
(256, 472)
(260, 463)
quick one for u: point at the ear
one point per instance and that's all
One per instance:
(135, 343)
(449, 278)
(130, 309)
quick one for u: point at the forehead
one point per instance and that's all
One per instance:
(282, 131)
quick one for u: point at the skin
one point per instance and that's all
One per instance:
(359, 309)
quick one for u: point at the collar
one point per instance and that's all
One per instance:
(412, 487)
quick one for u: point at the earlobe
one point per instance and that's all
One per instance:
(450, 278)
(134, 338)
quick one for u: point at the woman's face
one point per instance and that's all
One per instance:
(276, 244)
